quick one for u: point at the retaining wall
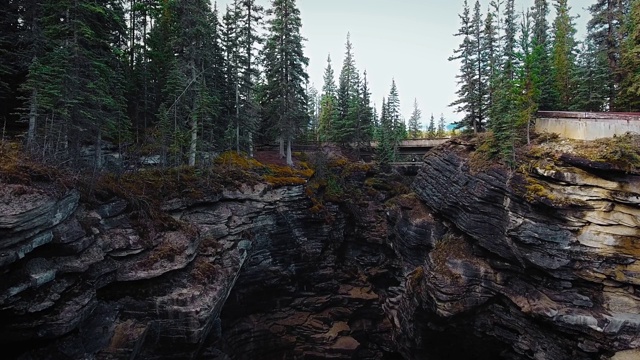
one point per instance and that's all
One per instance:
(587, 126)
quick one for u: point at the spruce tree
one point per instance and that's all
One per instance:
(628, 97)
(385, 151)
(344, 125)
(250, 16)
(442, 129)
(284, 67)
(80, 77)
(327, 102)
(509, 41)
(489, 59)
(481, 61)
(364, 125)
(431, 128)
(541, 61)
(467, 76)
(563, 54)
(592, 74)
(414, 121)
(606, 32)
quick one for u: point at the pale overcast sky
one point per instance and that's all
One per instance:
(409, 40)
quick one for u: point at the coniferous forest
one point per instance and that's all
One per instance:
(179, 79)
(515, 64)
(184, 79)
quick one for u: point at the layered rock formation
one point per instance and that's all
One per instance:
(82, 281)
(540, 263)
(543, 264)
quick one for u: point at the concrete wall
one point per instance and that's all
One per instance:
(587, 126)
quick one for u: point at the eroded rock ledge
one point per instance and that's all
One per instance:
(91, 282)
(551, 274)
(474, 264)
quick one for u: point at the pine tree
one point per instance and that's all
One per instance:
(344, 125)
(629, 93)
(385, 151)
(481, 61)
(284, 66)
(414, 121)
(364, 130)
(489, 59)
(528, 80)
(467, 76)
(593, 74)
(313, 109)
(80, 77)
(541, 62)
(563, 54)
(248, 38)
(327, 102)
(398, 128)
(442, 130)
(606, 32)
(431, 129)
(509, 42)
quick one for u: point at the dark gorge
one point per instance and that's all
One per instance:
(462, 261)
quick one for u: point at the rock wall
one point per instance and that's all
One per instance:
(82, 281)
(474, 264)
(544, 265)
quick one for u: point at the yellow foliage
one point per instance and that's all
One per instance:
(284, 181)
(233, 159)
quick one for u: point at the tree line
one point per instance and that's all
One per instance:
(179, 80)
(515, 64)
(343, 112)
(176, 78)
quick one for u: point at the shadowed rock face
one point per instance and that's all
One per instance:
(552, 278)
(82, 282)
(469, 266)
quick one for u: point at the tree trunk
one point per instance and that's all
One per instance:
(250, 144)
(289, 159)
(237, 118)
(33, 113)
(194, 125)
(98, 150)
(282, 147)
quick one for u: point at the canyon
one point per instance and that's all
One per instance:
(463, 261)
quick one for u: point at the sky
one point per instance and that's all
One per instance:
(406, 40)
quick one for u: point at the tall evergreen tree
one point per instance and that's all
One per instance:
(541, 61)
(385, 151)
(592, 74)
(442, 129)
(399, 129)
(285, 64)
(414, 121)
(344, 125)
(248, 38)
(313, 110)
(364, 130)
(481, 62)
(509, 41)
(563, 54)
(606, 31)
(80, 77)
(489, 59)
(328, 102)
(467, 76)
(431, 128)
(628, 97)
